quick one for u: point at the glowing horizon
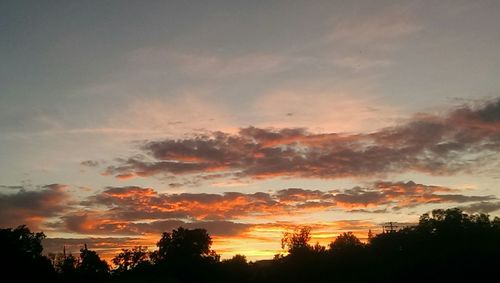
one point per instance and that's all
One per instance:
(123, 120)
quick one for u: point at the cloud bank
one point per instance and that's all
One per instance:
(459, 141)
(136, 210)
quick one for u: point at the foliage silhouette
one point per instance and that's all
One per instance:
(22, 251)
(65, 265)
(236, 269)
(186, 250)
(131, 259)
(91, 266)
(445, 246)
(346, 243)
(297, 242)
(186, 246)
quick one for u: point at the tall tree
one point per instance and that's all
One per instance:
(297, 241)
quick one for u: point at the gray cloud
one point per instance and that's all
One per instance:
(11, 187)
(482, 207)
(437, 145)
(90, 163)
(32, 206)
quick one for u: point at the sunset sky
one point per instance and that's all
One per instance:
(123, 119)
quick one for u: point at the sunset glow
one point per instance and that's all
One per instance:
(122, 120)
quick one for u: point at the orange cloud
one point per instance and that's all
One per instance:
(137, 211)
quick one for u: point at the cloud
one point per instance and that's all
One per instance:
(482, 207)
(137, 215)
(397, 195)
(189, 109)
(439, 145)
(382, 26)
(11, 187)
(136, 203)
(32, 207)
(304, 106)
(359, 63)
(107, 247)
(208, 65)
(229, 238)
(98, 223)
(90, 163)
(135, 210)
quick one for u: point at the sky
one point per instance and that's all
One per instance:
(120, 120)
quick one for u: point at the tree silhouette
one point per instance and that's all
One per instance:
(186, 245)
(91, 266)
(65, 264)
(236, 269)
(184, 250)
(21, 250)
(68, 267)
(130, 259)
(297, 242)
(370, 235)
(449, 245)
(346, 242)
(445, 246)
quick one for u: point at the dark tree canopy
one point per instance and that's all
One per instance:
(346, 242)
(131, 258)
(185, 245)
(69, 264)
(91, 265)
(445, 246)
(22, 250)
(22, 241)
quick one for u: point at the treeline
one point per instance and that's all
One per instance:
(445, 246)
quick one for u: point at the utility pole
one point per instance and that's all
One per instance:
(389, 227)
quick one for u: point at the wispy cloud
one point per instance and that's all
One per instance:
(208, 65)
(359, 63)
(321, 110)
(362, 40)
(381, 26)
